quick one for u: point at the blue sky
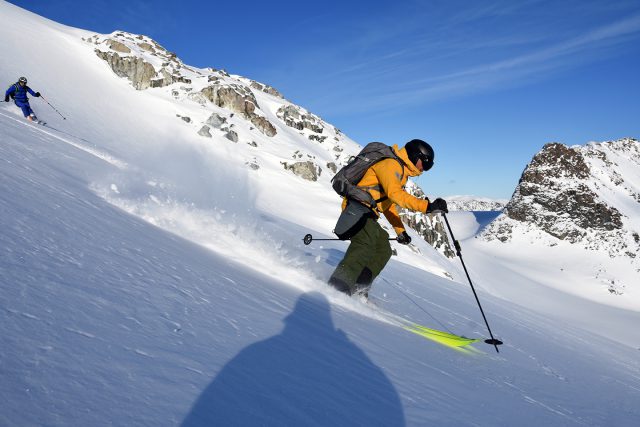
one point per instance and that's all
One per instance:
(486, 83)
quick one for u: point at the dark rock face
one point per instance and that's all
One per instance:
(266, 89)
(233, 97)
(430, 227)
(306, 170)
(241, 100)
(264, 125)
(126, 63)
(294, 117)
(569, 193)
(552, 194)
(135, 69)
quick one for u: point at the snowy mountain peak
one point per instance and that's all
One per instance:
(474, 203)
(586, 195)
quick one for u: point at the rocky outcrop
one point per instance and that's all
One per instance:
(216, 120)
(306, 170)
(430, 227)
(194, 96)
(166, 78)
(126, 55)
(147, 46)
(296, 118)
(232, 136)
(233, 97)
(317, 138)
(118, 47)
(142, 74)
(205, 131)
(266, 89)
(264, 125)
(135, 69)
(569, 193)
(241, 100)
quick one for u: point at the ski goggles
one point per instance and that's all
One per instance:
(427, 162)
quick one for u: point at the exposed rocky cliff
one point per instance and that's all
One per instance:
(586, 195)
(128, 54)
(430, 227)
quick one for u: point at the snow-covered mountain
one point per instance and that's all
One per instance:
(587, 196)
(473, 203)
(152, 275)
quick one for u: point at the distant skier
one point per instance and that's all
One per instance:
(18, 91)
(370, 250)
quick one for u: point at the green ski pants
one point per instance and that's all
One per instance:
(366, 256)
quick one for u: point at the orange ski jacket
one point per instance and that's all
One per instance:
(386, 180)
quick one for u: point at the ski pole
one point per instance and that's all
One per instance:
(309, 238)
(63, 117)
(492, 341)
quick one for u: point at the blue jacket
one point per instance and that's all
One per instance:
(19, 93)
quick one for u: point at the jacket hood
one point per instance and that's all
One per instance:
(402, 153)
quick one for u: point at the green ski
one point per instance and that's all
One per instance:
(444, 338)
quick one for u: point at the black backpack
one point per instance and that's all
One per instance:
(346, 180)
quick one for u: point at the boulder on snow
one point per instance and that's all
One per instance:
(232, 136)
(204, 131)
(306, 170)
(216, 120)
(264, 125)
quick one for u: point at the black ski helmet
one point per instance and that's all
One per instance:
(22, 80)
(417, 149)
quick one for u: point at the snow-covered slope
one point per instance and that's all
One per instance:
(150, 276)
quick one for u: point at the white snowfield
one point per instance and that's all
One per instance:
(149, 277)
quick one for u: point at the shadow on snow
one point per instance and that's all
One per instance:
(309, 374)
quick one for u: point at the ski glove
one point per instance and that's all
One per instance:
(438, 205)
(6, 98)
(37, 94)
(404, 238)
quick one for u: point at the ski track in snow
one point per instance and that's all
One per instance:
(48, 130)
